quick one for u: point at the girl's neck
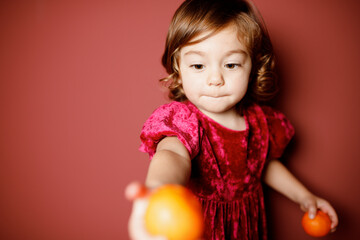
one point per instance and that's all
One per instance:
(230, 119)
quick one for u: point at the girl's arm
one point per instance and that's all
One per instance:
(277, 176)
(170, 164)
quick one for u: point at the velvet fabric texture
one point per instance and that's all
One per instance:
(226, 164)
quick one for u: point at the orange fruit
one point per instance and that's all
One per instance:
(174, 212)
(317, 227)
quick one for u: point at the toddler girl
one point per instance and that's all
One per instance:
(215, 137)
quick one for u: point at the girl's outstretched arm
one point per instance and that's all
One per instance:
(277, 176)
(170, 164)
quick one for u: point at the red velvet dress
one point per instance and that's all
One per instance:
(226, 164)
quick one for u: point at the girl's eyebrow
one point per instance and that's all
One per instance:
(195, 52)
(201, 53)
(236, 51)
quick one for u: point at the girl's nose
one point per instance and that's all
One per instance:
(216, 79)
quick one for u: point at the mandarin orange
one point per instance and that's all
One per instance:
(174, 212)
(317, 227)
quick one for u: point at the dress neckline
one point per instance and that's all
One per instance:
(213, 122)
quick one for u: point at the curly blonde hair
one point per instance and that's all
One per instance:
(195, 17)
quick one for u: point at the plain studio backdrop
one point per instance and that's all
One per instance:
(79, 78)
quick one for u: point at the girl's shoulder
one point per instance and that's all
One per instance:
(174, 105)
(277, 119)
(269, 113)
(173, 110)
(280, 129)
(171, 119)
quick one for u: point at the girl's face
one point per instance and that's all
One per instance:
(215, 72)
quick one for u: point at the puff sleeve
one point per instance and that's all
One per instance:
(281, 132)
(173, 119)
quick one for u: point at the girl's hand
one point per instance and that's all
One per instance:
(138, 193)
(311, 203)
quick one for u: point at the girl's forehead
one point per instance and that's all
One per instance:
(230, 28)
(227, 38)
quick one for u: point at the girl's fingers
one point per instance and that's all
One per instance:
(312, 211)
(327, 208)
(137, 193)
(136, 224)
(309, 205)
(135, 190)
(137, 229)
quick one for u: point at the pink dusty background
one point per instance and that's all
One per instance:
(79, 78)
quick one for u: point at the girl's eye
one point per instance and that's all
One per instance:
(197, 66)
(232, 65)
